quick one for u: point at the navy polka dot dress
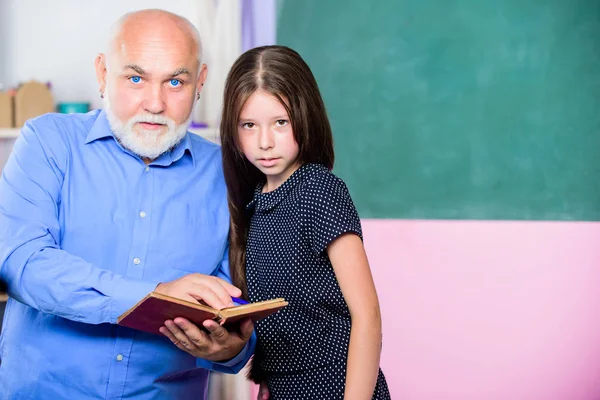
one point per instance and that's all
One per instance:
(302, 349)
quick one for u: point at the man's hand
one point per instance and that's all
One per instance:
(211, 290)
(217, 345)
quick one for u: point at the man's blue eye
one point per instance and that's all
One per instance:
(175, 82)
(135, 79)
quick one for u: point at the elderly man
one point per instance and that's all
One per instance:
(96, 211)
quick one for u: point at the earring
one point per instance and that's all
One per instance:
(198, 96)
(101, 94)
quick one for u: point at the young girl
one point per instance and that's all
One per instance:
(296, 234)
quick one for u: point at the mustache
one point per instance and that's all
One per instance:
(152, 119)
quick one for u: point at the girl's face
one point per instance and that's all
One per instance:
(267, 139)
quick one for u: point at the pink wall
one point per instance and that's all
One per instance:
(488, 310)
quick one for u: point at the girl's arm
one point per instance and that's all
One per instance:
(351, 267)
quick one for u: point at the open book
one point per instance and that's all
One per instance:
(150, 313)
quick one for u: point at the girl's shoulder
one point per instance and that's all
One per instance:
(323, 186)
(323, 179)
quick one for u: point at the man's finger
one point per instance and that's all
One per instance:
(175, 335)
(165, 331)
(193, 334)
(229, 288)
(208, 296)
(246, 329)
(180, 334)
(216, 331)
(224, 290)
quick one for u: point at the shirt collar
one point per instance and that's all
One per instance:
(180, 149)
(101, 129)
(268, 200)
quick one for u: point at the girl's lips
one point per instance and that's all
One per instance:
(268, 162)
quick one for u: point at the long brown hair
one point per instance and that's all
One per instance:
(280, 71)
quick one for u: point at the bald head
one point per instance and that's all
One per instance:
(154, 24)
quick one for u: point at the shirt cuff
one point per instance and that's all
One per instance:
(126, 293)
(234, 365)
(237, 359)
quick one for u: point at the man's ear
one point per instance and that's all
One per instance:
(201, 78)
(101, 71)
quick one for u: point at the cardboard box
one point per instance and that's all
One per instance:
(6, 110)
(32, 99)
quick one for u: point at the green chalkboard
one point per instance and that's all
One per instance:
(455, 109)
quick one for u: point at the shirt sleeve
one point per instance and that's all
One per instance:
(33, 266)
(234, 365)
(328, 211)
(223, 270)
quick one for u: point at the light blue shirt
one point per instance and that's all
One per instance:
(86, 231)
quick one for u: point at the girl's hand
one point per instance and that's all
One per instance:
(263, 391)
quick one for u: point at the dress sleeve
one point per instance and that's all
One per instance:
(328, 211)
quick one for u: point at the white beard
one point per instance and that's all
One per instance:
(146, 143)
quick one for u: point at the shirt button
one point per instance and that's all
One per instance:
(143, 214)
(119, 357)
(147, 168)
(136, 261)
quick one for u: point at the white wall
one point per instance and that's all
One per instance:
(58, 40)
(3, 40)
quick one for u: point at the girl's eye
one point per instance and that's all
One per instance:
(135, 79)
(175, 82)
(281, 122)
(248, 125)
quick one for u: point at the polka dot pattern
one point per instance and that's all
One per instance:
(286, 256)
(321, 383)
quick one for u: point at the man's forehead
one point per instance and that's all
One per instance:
(156, 61)
(158, 50)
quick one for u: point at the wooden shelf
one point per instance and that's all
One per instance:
(9, 133)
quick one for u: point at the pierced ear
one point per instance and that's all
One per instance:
(101, 71)
(201, 78)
